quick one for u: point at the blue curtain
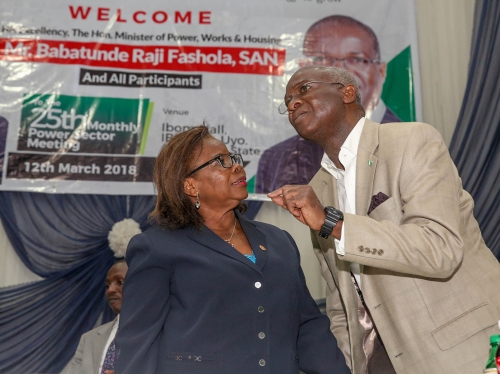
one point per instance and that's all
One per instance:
(475, 146)
(62, 238)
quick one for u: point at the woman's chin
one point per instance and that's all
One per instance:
(242, 196)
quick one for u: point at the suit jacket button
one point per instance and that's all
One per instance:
(262, 335)
(361, 248)
(262, 362)
(374, 251)
(258, 285)
(367, 250)
(380, 252)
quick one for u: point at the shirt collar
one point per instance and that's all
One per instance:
(348, 151)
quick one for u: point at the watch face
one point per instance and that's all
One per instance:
(334, 213)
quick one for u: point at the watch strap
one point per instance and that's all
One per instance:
(332, 217)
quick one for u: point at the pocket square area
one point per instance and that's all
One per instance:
(377, 200)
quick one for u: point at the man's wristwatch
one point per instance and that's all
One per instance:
(332, 217)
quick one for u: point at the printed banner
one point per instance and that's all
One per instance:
(90, 91)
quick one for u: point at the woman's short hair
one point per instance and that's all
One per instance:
(173, 207)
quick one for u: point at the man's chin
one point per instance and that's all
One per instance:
(115, 305)
(304, 131)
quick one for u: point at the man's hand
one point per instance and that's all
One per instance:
(302, 203)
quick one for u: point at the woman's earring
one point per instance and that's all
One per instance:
(197, 204)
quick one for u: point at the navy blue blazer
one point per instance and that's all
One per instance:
(193, 304)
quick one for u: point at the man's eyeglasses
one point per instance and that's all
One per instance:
(303, 89)
(352, 62)
(226, 161)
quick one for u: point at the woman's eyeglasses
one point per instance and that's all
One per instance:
(226, 161)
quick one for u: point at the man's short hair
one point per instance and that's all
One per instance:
(341, 75)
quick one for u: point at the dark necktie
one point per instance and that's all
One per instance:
(109, 359)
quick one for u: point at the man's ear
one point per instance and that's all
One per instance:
(189, 187)
(349, 94)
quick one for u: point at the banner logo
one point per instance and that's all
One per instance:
(78, 124)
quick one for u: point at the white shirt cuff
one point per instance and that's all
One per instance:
(340, 244)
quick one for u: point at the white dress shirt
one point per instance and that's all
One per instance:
(110, 339)
(346, 183)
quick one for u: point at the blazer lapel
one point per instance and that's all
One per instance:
(366, 164)
(257, 240)
(209, 239)
(328, 194)
(103, 333)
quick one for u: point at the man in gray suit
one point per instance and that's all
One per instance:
(411, 285)
(91, 352)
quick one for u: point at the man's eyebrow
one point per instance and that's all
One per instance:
(299, 84)
(357, 53)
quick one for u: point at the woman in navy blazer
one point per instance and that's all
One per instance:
(209, 291)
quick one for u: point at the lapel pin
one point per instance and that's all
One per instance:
(262, 247)
(370, 163)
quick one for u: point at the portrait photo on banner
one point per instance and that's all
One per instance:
(382, 61)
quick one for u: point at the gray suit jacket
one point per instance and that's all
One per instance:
(427, 276)
(89, 352)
